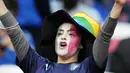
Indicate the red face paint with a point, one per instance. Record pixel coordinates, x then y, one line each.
74 40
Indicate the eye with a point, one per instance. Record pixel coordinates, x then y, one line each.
59 34
71 34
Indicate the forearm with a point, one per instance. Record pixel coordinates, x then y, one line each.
16 35
101 44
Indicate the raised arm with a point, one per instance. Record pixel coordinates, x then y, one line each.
18 40
101 44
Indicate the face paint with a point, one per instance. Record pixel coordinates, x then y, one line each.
67 40
74 40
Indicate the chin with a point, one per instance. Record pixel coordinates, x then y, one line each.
61 54
65 56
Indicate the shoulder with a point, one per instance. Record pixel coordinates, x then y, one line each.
90 65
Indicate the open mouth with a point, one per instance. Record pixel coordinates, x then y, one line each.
63 44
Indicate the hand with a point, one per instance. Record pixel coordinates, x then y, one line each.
120 2
3 8
117 8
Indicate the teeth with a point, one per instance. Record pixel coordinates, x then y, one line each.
63 44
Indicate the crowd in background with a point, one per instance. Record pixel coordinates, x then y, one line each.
31 13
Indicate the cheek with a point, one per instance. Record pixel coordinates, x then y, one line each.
73 45
56 41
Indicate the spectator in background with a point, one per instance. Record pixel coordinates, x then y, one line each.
119 61
7 53
119 58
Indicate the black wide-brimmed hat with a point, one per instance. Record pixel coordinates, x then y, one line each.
88 27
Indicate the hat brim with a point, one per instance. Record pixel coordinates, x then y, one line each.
53 21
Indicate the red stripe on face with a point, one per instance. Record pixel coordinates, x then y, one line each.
74 40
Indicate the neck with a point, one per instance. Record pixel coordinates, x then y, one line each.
65 60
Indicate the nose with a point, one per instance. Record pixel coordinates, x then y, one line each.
63 38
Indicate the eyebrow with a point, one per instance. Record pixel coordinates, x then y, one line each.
60 30
72 30
67 30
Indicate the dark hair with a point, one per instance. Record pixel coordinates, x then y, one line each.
87 47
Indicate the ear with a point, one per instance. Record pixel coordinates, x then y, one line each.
80 46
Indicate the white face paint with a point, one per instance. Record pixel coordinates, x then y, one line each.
67 40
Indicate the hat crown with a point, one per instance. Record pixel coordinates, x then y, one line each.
87 22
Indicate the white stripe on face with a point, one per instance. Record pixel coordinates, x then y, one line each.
67 40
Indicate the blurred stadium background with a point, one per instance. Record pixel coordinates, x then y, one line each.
30 15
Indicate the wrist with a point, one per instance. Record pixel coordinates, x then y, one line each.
3 11
116 10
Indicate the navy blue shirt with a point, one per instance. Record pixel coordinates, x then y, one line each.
34 63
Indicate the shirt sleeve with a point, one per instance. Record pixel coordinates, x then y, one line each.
27 58
16 35
101 44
